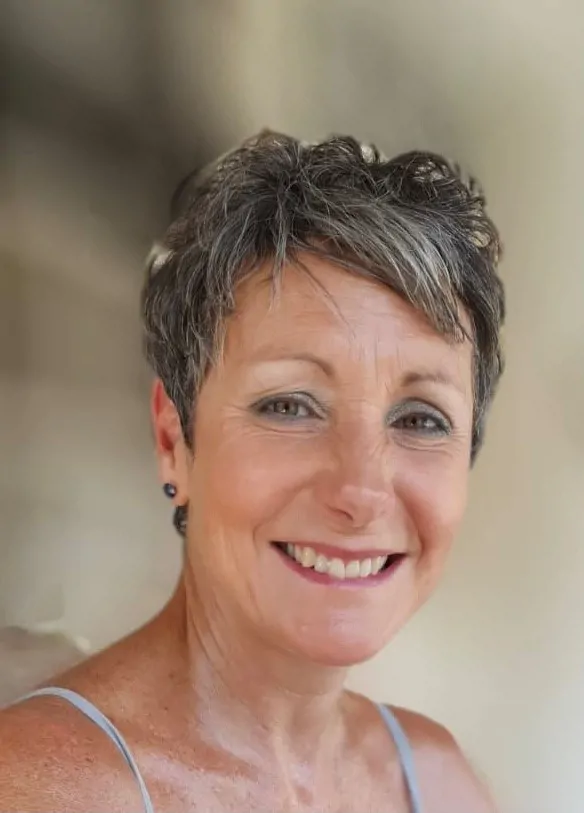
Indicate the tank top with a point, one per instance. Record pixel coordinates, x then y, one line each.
397 733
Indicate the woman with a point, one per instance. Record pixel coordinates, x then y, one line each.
324 328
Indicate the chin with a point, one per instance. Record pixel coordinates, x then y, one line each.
339 648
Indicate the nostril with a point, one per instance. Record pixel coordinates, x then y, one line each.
358 505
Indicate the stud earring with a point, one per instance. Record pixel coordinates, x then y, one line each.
179 518
169 490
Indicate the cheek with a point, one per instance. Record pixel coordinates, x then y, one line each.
435 497
245 477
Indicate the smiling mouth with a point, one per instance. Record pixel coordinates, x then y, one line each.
338 569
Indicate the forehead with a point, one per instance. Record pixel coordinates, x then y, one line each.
328 311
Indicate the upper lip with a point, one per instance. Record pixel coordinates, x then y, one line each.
344 554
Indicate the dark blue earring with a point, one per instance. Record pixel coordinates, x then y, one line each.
169 490
179 519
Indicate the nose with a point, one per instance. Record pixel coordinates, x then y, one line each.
356 489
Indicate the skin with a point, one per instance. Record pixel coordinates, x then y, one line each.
232 698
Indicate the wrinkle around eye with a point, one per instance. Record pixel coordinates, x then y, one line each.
452 444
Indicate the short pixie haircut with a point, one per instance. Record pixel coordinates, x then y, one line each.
411 223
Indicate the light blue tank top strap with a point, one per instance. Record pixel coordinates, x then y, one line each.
406 756
109 729
94 714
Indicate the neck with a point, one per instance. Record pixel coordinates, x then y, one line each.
246 698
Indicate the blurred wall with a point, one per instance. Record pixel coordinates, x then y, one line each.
85 537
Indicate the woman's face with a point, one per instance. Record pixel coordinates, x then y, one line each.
332 447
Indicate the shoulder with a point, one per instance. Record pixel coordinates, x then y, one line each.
53 758
448 783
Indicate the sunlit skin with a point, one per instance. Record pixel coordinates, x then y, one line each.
337 418
369 451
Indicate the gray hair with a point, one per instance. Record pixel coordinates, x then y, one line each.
412 223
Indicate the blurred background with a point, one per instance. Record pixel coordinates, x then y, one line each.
106 104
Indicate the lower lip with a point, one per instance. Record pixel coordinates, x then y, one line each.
323 578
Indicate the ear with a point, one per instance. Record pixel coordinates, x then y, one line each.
171 449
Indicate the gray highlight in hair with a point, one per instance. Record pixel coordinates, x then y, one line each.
411 223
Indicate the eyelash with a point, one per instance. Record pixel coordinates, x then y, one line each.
420 411
267 406
417 411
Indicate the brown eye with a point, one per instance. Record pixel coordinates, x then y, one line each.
420 419
291 407
417 423
287 409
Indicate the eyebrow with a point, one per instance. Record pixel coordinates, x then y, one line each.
308 358
409 379
433 377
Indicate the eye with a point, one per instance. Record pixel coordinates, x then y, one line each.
297 406
420 419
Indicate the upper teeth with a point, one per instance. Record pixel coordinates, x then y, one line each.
336 568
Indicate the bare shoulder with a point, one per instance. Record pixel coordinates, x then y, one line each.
53 758
448 782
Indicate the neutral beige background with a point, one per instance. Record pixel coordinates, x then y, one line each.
497 655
